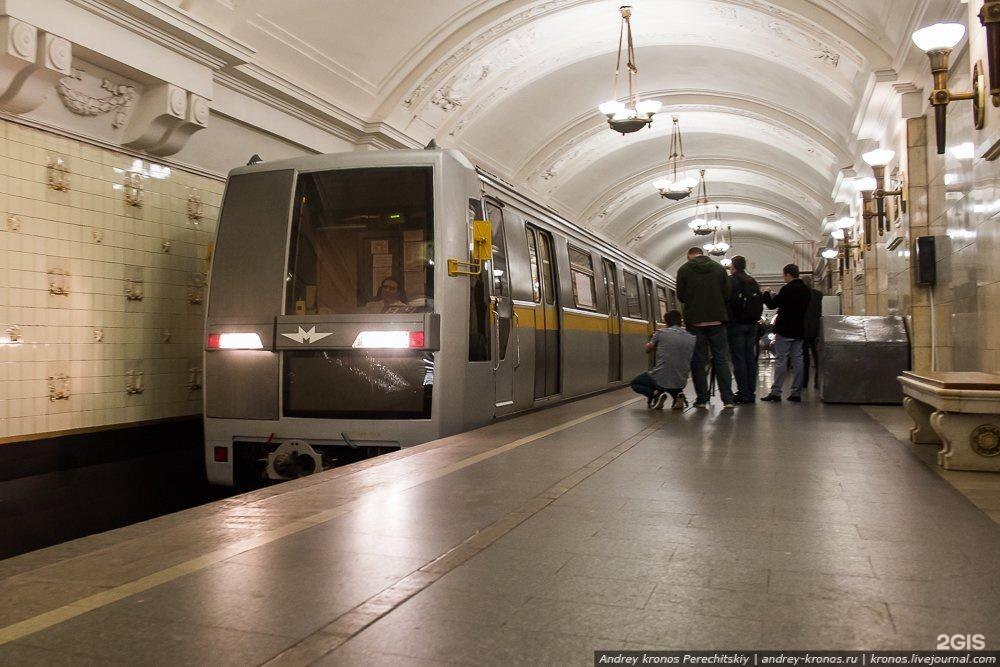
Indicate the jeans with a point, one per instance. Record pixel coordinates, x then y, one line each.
711 338
785 349
643 384
810 349
743 348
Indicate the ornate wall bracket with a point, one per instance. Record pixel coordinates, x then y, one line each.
57 174
165 118
134 289
31 63
59 387
13 223
12 335
133 382
133 189
195 208
58 281
194 378
196 288
119 101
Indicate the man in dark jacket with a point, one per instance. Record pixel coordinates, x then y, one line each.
746 306
703 288
810 348
789 329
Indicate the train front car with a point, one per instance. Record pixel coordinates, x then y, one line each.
332 332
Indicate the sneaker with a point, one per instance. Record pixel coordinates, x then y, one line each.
728 406
746 400
651 401
660 401
772 397
795 399
680 402
700 405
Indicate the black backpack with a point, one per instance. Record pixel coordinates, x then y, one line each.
748 304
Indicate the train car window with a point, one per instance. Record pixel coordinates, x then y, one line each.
536 287
649 306
581 267
479 298
362 242
633 303
611 288
500 275
661 296
545 264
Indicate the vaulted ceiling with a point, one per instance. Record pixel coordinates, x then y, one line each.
772 96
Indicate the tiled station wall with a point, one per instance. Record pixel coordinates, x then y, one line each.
101 299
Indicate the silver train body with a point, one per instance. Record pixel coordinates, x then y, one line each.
335 332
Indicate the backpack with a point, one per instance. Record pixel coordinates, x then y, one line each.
748 304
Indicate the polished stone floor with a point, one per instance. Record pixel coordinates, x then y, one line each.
597 524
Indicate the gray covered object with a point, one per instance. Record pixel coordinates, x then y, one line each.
862 357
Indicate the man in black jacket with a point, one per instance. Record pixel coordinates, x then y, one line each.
789 329
810 346
745 308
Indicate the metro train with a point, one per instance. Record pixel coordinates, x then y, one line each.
338 329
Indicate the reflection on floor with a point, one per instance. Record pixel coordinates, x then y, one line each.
598 524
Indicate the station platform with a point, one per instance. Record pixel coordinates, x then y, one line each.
597 524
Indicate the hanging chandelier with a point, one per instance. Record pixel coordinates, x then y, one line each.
701 225
674 187
719 246
633 114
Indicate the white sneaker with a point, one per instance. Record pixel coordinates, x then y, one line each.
701 406
660 401
728 406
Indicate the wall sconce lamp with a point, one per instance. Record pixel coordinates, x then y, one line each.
937 41
867 187
841 249
989 16
878 160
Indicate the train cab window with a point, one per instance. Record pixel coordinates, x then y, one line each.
633 302
581 267
545 260
536 285
362 242
664 302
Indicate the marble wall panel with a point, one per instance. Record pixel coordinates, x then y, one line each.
91 242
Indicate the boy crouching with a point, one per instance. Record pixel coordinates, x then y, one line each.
672 347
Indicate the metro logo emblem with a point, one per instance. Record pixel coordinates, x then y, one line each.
310 336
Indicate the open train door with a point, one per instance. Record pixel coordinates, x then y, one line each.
506 351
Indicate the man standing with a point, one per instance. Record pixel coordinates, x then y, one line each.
792 301
672 348
746 305
703 288
810 349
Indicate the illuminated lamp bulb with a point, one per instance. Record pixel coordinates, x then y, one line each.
939 36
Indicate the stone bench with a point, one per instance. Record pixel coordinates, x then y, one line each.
959 411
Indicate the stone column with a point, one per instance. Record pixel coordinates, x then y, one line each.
919 219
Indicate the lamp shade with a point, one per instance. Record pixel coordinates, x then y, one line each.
611 107
939 36
830 253
837 234
662 183
648 107
867 184
844 223
698 223
879 157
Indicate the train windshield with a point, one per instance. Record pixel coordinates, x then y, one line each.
362 242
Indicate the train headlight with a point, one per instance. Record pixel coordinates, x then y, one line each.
389 339
234 341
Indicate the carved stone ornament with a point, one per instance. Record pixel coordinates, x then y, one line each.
119 100
165 118
166 335
985 440
133 289
194 378
133 189
12 334
166 245
133 382
13 223
196 288
98 335
97 235
195 208
31 62
58 281
57 174
59 386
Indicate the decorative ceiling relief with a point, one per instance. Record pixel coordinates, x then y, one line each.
477 45
119 100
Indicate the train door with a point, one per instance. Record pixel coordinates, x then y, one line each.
505 352
543 272
614 322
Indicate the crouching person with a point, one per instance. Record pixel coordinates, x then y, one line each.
672 348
